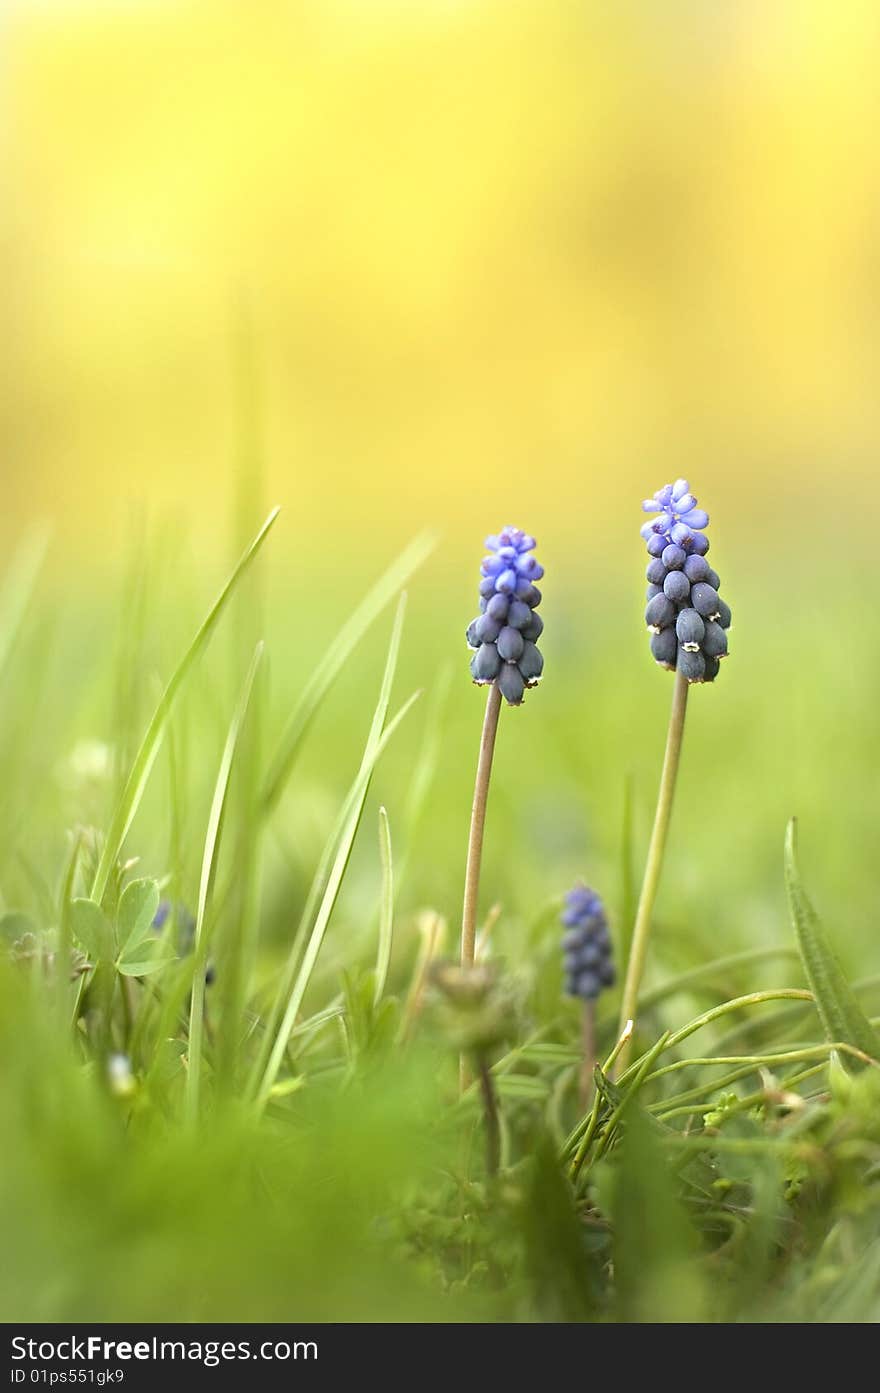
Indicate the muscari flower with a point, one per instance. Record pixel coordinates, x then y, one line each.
186 932
686 616
587 953
507 628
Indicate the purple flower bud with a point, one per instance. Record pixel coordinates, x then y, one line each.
691 665
485 664
587 955
510 644
656 572
504 635
677 587
704 600
531 663
696 568
656 544
715 641
660 613
664 648
512 683
518 614
497 608
689 628
487 629
673 557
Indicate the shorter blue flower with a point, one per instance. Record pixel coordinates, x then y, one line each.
588 957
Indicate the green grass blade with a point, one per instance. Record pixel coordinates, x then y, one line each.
334 659
841 1015
143 762
328 877
18 588
206 883
386 913
628 887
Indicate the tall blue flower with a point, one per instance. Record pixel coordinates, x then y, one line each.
506 631
685 615
586 945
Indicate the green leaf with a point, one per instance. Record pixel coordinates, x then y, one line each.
206 884
842 1017
91 929
328 668
137 910
139 774
328 879
654 1245
145 961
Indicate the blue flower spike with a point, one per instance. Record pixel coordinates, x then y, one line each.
505 632
588 959
686 617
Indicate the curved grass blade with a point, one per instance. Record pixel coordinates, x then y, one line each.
18 588
206 884
334 659
386 913
328 878
841 1015
143 762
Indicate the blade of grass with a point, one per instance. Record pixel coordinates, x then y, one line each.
333 661
841 1015
140 770
386 913
325 887
209 870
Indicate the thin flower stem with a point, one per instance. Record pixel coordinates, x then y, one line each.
490 1110
588 1053
654 865
475 839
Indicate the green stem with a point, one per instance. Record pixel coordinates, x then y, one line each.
654 865
475 838
588 1052
490 1111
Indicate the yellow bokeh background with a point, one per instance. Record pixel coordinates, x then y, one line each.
497 259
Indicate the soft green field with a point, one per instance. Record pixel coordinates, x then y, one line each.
350 1184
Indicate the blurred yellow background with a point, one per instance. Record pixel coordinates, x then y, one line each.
501 261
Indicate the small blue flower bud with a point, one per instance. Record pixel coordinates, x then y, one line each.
587 955
534 629
673 557
518 614
497 608
656 544
510 644
689 628
691 665
486 663
715 641
724 615
712 669
656 572
529 594
664 647
531 663
677 587
506 582
696 568
511 682
487 629
713 578
699 544
704 600
471 635
659 613
487 586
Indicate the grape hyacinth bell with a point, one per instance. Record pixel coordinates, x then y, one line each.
506 630
685 615
586 945
588 962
